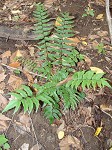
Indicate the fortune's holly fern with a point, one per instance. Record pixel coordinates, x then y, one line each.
56 53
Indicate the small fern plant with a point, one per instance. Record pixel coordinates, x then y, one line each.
61 87
4 143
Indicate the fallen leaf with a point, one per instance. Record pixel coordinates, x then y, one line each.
83 38
102 33
25 146
58 21
4 118
98 130
84 43
60 135
69 141
29 76
15 11
87 60
93 37
3 122
2 76
31 48
94 44
18 53
15 82
36 147
3 102
6 54
73 41
15 64
96 70
25 119
100 17
48 3
106 107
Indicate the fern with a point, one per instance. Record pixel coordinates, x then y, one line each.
68 56
30 64
56 52
42 30
23 97
88 79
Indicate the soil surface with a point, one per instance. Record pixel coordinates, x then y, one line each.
95 111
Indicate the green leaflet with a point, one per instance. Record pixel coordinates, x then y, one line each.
28 90
11 104
3 140
52 113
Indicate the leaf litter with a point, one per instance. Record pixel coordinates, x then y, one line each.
67 141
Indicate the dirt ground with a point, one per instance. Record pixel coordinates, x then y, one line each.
95 111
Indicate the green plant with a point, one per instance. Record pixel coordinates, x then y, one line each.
100 48
4 143
60 86
88 12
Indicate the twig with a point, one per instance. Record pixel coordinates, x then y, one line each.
104 112
9 67
109 19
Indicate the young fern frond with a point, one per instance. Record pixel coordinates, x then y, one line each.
88 79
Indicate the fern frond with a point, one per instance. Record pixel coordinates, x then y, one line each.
28 63
67 55
42 27
88 79
52 112
23 97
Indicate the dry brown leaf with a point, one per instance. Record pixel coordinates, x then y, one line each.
14 64
25 146
74 41
15 81
2 87
102 33
36 147
100 17
18 53
31 48
3 122
93 37
20 128
3 102
29 76
87 60
96 70
4 118
57 22
2 76
6 54
48 3
69 141
25 119
94 44
106 107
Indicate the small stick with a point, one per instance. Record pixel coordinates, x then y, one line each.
109 19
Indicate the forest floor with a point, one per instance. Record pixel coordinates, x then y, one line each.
95 113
